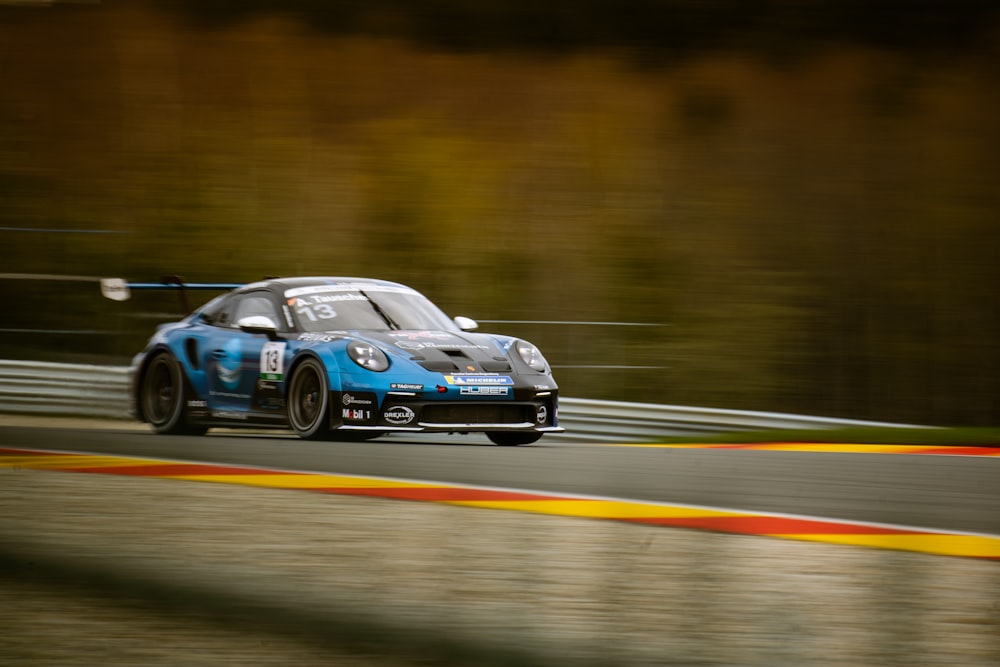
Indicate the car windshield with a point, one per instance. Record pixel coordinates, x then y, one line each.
345 307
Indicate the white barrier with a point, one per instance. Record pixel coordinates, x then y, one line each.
603 420
35 387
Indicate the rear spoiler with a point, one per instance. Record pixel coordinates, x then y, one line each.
118 289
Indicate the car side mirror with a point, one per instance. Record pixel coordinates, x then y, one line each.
258 324
466 323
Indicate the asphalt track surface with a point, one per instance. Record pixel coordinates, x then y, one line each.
951 493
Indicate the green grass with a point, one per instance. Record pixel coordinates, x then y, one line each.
988 437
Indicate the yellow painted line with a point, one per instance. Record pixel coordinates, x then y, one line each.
597 509
940 544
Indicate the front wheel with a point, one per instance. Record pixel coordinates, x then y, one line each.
161 397
513 438
309 401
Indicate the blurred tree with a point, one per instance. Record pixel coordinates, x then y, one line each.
807 199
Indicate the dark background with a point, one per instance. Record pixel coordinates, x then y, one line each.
801 195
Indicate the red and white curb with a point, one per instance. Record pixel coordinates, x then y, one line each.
884 536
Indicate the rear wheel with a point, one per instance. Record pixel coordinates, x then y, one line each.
161 397
309 401
513 438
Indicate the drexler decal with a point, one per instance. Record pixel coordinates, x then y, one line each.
479 380
399 415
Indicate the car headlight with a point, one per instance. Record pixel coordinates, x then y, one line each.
532 356
367 356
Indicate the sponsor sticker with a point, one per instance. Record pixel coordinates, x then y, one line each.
487 390
409 386
542 414
320 337
350 399
229 414
229 394
479 379
356 414
399 415
418 345
415 335
228 366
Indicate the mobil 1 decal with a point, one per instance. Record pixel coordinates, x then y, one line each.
358 407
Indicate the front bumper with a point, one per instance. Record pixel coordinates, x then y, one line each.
356 411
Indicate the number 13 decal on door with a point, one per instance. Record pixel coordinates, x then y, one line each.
272 361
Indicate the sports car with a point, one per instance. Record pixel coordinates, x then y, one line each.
338 358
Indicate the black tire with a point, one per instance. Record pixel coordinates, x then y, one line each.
308 401
161 397
513 438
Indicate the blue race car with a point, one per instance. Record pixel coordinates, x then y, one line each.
338 358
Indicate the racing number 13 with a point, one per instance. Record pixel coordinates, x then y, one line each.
272 361
322 311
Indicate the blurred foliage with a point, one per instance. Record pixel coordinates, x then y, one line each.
660 28
802 198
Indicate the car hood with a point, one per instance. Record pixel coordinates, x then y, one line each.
444 351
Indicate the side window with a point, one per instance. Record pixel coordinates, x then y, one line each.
228 311
255 304
219 312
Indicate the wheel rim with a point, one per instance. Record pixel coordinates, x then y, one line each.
307 399
160 394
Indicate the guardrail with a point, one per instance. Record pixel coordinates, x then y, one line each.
634 422
35 387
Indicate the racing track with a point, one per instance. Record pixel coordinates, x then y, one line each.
951 493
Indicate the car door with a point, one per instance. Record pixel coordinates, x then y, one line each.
242 367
